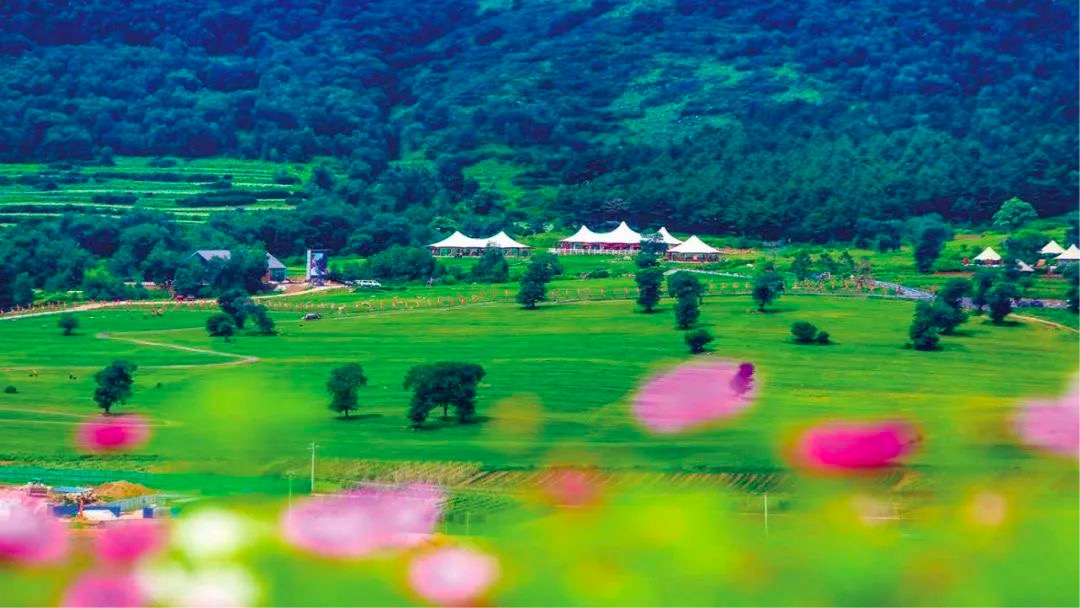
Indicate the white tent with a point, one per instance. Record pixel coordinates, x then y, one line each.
1072 254
1024 266
693 250
459 241
583 235
666 236
502 241
988 256
622 235
694 245
1052 248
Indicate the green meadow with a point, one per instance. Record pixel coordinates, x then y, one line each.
559 384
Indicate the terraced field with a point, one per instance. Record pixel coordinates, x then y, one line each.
29 190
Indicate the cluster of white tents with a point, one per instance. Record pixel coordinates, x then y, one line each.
624 239
1050 251
458 245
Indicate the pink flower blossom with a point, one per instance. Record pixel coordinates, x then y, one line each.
128 541
1052 425
453 576
112 433
694 394
839 446
358 523
30 535
102 589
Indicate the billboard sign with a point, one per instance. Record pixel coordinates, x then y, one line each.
316 265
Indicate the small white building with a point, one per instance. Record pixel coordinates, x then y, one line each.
1069 256
1052 249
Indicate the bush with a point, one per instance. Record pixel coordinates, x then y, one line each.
822 337
697 339
113 198
10 389
803 332
923 330
599 273
221 325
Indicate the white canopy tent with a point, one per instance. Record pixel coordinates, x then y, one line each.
668 239
1023 266
1072 254
502 241
693 250
622 235
1052 248
459 241
988 256
582 236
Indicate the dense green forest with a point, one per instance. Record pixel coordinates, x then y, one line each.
777 119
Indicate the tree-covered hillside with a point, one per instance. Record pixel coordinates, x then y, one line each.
788 118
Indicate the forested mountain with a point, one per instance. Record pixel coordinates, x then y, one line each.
783 118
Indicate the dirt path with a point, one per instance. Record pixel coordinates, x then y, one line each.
237 359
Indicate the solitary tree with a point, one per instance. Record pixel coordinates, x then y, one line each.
445 384
948 306
69 323
767 287
930 238
343 386
235 303
534 283
923 330
114 384
1000 301
648 283
220 325
697 340
687 311
803 332
1014 213
682 284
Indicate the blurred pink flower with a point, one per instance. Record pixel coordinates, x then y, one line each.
1052 425
453 576
571 487
30 535
112 433
839 446
360 522
103 589
694 394
127 541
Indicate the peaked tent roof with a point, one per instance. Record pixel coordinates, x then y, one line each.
1072 254
621 235
1024 266
583 235
503 241
694 245
1052 248
666 236
458 240
988 255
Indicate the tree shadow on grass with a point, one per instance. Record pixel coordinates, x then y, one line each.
436 423
965 333
358 417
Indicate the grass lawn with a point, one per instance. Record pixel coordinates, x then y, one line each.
558 386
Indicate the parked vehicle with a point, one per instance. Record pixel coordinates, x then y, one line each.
368 284
312 316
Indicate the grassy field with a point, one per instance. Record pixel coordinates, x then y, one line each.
558 386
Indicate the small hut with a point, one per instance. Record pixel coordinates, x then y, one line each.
458 245
669 240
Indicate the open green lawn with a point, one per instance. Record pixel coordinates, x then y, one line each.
558 386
